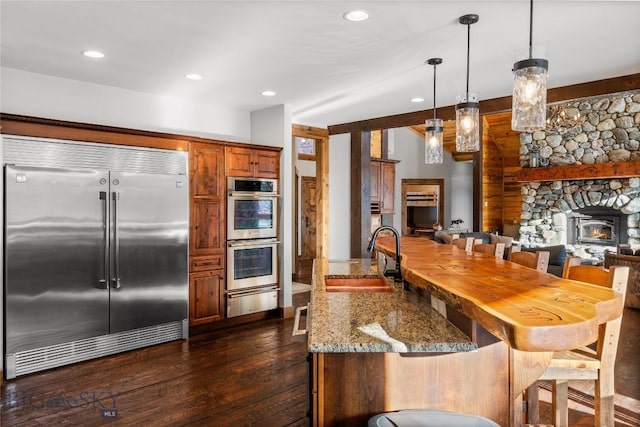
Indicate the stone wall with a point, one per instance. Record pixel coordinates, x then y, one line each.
607 131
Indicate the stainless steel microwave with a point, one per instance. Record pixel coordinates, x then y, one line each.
252 208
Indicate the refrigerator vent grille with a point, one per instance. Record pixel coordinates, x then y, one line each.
30 361
41 152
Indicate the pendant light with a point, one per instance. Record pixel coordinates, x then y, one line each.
528 111
467 105
433 127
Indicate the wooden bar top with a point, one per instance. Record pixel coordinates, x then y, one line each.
527 309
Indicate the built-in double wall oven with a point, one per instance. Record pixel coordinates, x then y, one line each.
252 245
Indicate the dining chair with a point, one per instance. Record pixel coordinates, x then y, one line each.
585 363
465 243
492 249
536 260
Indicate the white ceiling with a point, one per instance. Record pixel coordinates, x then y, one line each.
329 70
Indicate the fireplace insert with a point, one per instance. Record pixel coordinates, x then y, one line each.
598 231
597 226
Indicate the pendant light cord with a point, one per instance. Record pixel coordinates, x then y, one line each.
531 30
434 91
468 49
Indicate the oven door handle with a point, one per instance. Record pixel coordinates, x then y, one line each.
243 293
240 243
253 195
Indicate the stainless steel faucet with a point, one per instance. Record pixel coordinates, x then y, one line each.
397 273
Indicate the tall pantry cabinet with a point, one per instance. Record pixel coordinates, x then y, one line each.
207 233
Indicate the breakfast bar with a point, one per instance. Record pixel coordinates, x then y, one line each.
469 335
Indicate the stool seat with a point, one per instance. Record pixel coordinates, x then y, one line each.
428 418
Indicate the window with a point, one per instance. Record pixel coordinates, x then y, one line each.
306 148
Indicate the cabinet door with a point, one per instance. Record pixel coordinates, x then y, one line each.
206 297
207 227
387 187
239 161
266 164
207 171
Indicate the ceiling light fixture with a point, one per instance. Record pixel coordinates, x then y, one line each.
358 15
93 54
433 127
268 93
561 118
193 76
528 110
417 99
467 106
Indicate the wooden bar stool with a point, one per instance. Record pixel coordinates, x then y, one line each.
585 363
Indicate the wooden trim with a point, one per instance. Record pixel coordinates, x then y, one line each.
495 105
13 124
598 170
309 131
287 312
61 131
322 198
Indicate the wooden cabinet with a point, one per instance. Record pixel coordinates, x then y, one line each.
207 233
383 179
252 162
206 297
349 388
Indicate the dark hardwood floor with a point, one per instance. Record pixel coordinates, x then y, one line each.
252 374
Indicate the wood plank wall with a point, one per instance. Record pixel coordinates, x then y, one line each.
492 188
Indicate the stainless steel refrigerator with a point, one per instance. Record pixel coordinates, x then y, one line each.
96 262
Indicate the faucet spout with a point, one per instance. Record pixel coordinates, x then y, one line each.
397 273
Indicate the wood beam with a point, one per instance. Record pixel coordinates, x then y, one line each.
360 193
595 171
495 105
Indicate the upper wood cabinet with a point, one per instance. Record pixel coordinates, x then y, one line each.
252 162
207 171
383 181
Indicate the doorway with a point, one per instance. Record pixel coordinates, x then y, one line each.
308 221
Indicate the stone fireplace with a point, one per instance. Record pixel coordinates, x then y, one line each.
590 216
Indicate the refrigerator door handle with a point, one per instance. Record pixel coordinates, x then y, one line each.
103 283
115 281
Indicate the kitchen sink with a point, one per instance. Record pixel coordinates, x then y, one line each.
357 284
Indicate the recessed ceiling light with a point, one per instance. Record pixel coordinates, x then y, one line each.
93 54
417 99
357 15
193 76
268 93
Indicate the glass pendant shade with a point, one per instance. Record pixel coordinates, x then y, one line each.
433 152
529 108
467 123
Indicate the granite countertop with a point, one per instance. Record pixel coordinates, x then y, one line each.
398 321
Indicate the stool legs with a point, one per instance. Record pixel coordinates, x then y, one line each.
560 402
